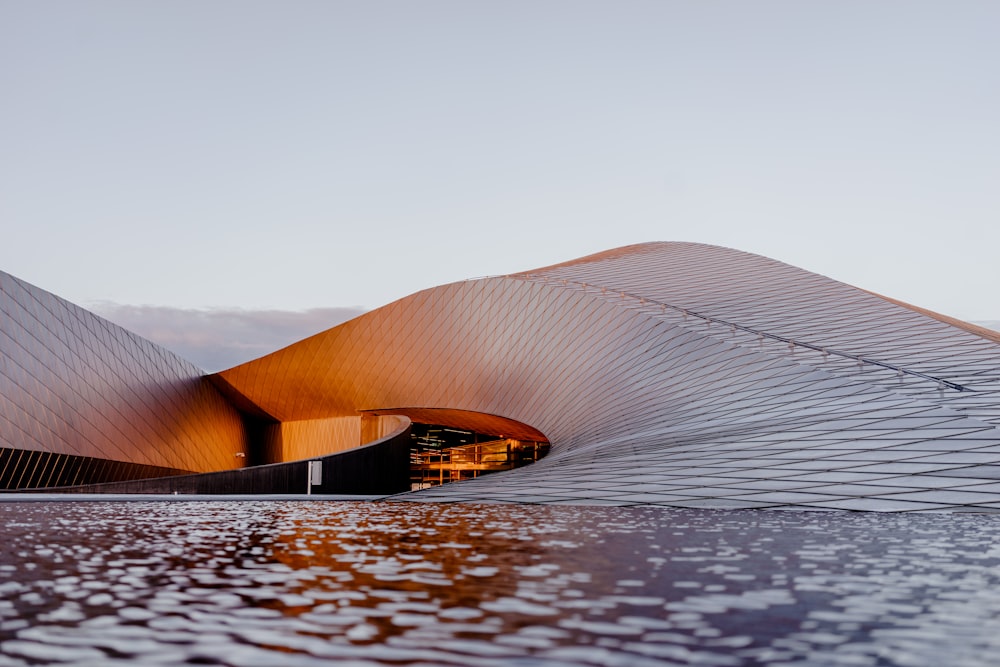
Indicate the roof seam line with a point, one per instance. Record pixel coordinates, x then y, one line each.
861 359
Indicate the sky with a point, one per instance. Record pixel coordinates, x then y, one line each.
242 158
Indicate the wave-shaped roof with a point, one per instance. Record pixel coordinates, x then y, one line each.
674 374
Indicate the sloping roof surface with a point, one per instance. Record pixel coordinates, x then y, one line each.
73 384
676 374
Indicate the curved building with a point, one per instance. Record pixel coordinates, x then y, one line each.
83 400
667 374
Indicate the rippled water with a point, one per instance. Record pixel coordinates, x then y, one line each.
310 583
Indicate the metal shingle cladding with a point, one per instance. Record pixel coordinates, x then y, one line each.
90 393
676 374
663 374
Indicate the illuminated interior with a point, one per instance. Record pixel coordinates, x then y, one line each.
442 454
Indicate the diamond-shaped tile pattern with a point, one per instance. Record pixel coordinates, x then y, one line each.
669 374
83 400
675 374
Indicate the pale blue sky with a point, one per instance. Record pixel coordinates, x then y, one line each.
296 155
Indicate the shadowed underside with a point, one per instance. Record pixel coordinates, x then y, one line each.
666 373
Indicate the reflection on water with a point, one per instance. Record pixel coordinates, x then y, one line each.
308 583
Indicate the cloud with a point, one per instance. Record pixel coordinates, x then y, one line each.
220 338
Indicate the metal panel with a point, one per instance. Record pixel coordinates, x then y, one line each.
78 387
666 373
669 360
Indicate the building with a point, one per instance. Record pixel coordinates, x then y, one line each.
669 374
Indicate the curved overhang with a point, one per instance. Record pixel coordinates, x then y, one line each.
468 420
716 377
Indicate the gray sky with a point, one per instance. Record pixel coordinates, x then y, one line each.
219 338
297 155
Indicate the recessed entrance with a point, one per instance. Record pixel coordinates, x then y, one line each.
450 445
442 454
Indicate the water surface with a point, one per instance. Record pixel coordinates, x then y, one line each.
312 582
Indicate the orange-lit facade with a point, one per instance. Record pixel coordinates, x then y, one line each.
664 374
